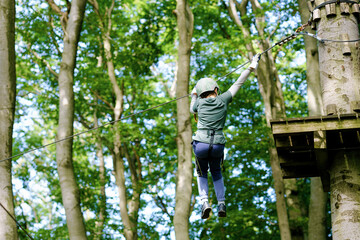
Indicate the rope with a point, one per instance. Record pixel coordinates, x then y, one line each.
16 221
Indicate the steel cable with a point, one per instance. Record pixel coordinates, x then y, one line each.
131 115
279 43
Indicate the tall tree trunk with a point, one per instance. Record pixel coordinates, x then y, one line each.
8 228
185 22
102 175
339 75
270 89
69 187
119 167
129 208
295 210
318 198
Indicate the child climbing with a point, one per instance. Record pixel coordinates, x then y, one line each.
209 140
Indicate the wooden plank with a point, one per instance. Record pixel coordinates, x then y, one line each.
317 118
298 127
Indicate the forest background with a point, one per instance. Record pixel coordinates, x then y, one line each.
127 61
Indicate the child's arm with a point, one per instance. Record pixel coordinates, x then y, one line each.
244 75
193 100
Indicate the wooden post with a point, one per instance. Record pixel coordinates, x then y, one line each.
340 76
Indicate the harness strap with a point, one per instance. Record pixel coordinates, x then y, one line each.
212 136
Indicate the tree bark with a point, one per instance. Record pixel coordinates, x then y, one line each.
340 74
102 175
130 225
295 210
318 198
345 195
270 89
315 104
129 208
69 187
185 22
8 228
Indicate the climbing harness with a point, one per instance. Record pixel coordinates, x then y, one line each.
211 133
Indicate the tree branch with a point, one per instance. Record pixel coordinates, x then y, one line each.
83 121
137 158
63 15
259 20
55 7
95 5
53 36
109 12
223 29
47 64
103 100
275 29
234 15
160 203
132 166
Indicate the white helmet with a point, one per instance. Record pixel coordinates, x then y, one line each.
206 85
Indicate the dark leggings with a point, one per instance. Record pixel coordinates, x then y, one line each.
206 159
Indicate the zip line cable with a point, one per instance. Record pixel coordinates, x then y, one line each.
323 40
237 68
279 43
92 129
16 221
112 122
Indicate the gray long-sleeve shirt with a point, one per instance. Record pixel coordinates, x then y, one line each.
212 111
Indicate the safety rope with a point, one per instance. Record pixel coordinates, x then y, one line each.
16 221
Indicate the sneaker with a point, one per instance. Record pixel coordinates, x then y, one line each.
222 210
205 210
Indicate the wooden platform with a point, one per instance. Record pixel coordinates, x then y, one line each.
305 145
